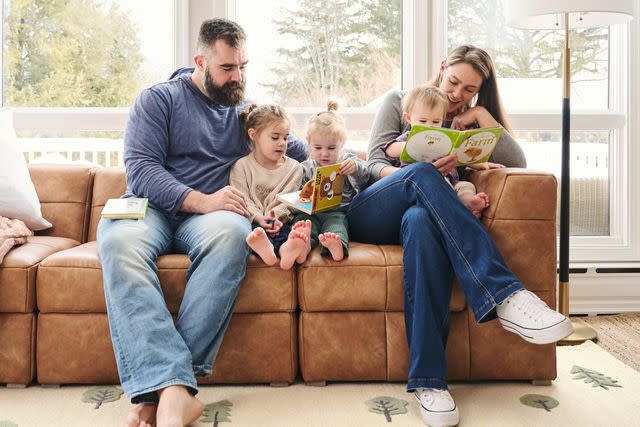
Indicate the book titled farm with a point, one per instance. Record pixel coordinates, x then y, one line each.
322 193
125 208
429 143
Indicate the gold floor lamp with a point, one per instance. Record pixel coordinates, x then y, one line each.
556 15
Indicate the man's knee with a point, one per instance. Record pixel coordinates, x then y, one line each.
120 237
227 228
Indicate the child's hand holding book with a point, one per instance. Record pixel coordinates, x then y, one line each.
347 167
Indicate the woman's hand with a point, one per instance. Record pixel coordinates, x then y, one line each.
476 116
446 164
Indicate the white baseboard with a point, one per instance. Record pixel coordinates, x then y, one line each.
602 293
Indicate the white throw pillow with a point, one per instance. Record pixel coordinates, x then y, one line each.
18 198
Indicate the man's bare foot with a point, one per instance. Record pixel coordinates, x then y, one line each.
305 228
177 407
477 203
142 415
259 242
291 249
332 242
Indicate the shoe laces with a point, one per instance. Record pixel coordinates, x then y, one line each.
431 394
529 304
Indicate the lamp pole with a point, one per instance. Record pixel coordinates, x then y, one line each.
581 332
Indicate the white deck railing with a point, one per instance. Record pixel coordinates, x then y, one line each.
98 151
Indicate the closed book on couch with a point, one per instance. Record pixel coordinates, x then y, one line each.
125 208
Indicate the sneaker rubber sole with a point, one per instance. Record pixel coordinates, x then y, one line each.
546 335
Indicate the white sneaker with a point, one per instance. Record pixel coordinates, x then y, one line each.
528 316
437 407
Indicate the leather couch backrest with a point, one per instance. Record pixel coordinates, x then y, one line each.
108 183
64 192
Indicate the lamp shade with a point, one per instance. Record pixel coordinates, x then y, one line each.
548 14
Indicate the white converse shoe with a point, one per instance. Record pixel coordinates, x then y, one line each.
528 316
437 407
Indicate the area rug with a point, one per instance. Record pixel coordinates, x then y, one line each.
592 389
619 335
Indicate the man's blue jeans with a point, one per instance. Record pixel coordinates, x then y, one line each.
440 237
150 351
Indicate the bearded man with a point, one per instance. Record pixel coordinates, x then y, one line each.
181 139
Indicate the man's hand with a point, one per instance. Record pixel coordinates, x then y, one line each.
225 199
446 164
347 167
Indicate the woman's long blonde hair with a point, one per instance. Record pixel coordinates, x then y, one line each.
488 95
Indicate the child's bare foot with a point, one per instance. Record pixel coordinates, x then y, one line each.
142 415
332 242
259 242
305 228
291 249
477 203
177 407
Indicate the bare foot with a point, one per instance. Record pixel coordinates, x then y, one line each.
477 203
332 242
305 228
291 249
142 415
177 407
259 242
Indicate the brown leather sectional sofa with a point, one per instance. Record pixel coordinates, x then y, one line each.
335 321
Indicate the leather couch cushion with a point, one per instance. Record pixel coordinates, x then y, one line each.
108 184
64 192
369 279
70 281
17 344
18 271
76 348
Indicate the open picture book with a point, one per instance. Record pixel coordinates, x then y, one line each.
322 193
125 208
429 143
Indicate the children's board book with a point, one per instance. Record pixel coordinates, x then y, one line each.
125 208
428 143
322 193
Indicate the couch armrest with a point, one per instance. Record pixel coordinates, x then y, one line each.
517 193
521 218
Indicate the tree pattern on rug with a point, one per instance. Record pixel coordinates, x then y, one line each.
539 401
5 423
596 378
100 395
217 412
387 406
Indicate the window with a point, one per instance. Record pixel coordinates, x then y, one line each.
303 52
84 53
528 64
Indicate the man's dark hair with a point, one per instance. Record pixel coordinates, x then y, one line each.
212 30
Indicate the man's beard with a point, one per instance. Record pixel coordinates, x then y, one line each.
229 94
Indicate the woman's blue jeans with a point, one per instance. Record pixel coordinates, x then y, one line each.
151 352
440 237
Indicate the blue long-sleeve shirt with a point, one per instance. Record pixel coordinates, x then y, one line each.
178 140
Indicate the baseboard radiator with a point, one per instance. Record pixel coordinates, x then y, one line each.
604 290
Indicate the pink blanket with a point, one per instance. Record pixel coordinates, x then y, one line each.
12 232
